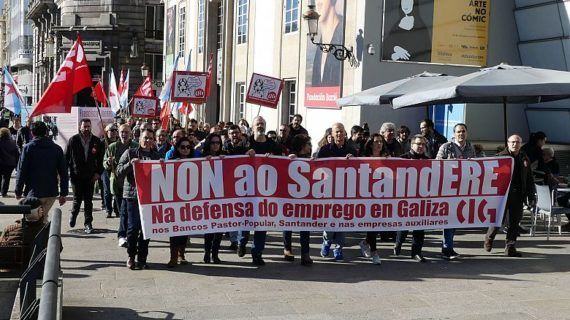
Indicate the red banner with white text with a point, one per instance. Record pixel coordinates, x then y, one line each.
184 197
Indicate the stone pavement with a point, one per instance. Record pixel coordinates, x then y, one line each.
97 285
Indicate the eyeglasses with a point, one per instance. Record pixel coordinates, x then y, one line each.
419 144
514 142
185 147
114 130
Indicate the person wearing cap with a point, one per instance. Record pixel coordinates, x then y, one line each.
41 168
23 232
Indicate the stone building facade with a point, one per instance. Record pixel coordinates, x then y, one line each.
117 34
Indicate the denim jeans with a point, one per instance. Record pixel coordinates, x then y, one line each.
137 245
334 237
243 237
448 235
106 192
123 225
258 243
304 239
234 236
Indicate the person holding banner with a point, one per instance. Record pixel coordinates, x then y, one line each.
459 148
375 147
418 151
110 162
300 147
137 245
338 148
162 144
235 146
522 188
259 144
388 131
183 149
212 241
176 135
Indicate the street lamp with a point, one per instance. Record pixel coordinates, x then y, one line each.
145 70
339 51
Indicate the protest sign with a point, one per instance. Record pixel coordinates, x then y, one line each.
264 90
276 193
144 107
189 86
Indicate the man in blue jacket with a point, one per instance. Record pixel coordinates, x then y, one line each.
41 164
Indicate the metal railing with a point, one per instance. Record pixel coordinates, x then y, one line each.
52 271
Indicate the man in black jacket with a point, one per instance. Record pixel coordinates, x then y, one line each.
522 188
84 156
417 152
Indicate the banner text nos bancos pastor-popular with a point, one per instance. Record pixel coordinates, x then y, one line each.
360 194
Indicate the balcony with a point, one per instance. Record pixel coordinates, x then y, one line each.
37 8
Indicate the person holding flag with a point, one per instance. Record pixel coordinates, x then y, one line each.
13 99
123 89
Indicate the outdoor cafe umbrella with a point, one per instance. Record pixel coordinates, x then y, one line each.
383 94
499 84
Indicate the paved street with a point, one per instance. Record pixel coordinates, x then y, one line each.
97 284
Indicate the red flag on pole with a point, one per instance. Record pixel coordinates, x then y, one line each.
145 89
121 82
99 94
73 76
209 79
186 108
165 115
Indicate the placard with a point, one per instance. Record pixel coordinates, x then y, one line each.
144 107
264 90
189 86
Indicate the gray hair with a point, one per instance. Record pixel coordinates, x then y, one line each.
419 136
548 151
387 125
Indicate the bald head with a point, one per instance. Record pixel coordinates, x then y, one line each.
176 135
339 134
514 144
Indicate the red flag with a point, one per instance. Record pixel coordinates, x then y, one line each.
165 115
145 89
121 82
73 76
99 94
209 79
186 108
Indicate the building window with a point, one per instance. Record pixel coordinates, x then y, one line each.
242 21
220 26
289 100
240 101
182 32
291 15
154 62
201 24
154 23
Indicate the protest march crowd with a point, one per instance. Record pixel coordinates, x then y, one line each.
44 170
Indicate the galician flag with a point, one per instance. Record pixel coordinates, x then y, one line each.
13 100
165 93
114 94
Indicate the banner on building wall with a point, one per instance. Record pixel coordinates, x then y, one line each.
276 193
189 86
323 74
170 39
264 90
436 31
144 107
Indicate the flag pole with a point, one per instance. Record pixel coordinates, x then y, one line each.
103 129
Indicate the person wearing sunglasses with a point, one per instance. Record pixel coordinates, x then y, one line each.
417 152
212 241
183 149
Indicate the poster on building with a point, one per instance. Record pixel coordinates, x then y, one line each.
436 31
264 90
189 86
170 39
144 107
323 74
